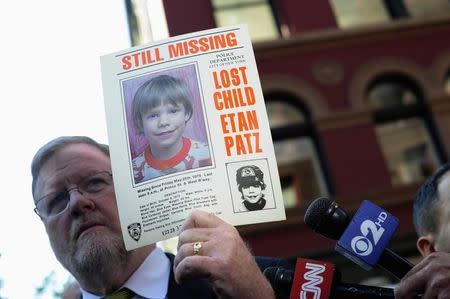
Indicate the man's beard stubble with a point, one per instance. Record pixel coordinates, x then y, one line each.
96 257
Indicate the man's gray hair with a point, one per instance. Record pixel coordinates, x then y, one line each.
52 147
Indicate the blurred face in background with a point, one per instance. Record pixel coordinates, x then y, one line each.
442 236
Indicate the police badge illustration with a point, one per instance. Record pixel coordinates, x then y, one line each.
134 230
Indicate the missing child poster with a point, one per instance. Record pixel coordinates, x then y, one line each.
188 129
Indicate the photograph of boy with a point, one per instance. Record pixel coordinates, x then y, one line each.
250 181
161 109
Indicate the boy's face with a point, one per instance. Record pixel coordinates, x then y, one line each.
252 193
164 126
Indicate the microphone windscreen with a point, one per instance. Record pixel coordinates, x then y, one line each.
316 211
324 216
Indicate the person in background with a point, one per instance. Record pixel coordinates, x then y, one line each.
431 215
73 192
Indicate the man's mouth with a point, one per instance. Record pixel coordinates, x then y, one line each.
87 227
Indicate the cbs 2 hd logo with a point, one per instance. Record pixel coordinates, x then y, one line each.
362 245
368 233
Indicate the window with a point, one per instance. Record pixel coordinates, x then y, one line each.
282 114
147 21
258 14
421 8
404 129
295 143
349 13
356 12
391 94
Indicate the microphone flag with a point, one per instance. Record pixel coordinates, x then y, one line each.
312 279
367 235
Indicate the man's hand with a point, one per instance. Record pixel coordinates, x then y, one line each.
223 259
431 277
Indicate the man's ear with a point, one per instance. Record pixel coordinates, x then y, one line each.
425 245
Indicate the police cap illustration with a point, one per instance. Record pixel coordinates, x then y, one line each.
250 175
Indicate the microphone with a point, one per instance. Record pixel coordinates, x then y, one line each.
316 280
325 217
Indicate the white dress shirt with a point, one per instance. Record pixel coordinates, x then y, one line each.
151 279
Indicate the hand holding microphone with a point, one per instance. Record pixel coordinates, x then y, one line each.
432 275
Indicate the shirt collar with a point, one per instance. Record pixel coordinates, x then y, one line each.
150 280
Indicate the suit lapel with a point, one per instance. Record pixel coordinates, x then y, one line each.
190 289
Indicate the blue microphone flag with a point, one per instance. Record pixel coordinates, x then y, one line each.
367 235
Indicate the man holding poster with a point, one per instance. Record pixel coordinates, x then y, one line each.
104 230
75 198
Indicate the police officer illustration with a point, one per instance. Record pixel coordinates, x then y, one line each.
250 181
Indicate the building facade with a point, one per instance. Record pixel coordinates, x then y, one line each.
359 104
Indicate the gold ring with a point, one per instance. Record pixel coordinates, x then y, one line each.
197 247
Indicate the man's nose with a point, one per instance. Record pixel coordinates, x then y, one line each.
80 201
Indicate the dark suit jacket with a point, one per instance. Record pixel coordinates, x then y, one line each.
201 288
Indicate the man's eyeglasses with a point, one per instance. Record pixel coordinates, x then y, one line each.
56 203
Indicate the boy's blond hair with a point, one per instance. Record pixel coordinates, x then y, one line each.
160 90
